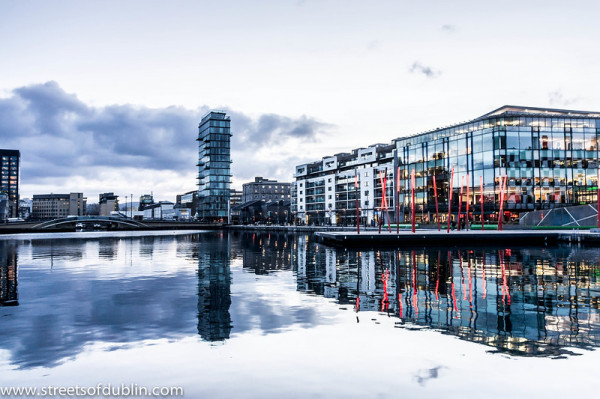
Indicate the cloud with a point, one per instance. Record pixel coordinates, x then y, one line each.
373 45
417 67
557 98
449 28
62 139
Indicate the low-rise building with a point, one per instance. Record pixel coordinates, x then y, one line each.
163 210
145 200
265 189
53 206
108 202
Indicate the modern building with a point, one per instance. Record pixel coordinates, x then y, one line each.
109 202
548 156
163 210
25 208
9 178
5 208
265 189
53 206
145 200
236 197
214 165
186 205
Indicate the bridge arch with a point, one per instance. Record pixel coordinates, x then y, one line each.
89 219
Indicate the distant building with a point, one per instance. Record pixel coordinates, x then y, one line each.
145 200
5 207
163 210
25 208
9 177
53 206
265 189
108 202
234 210
260 211
186 205
236 197
214 164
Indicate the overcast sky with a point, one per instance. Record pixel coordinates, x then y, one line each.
107 95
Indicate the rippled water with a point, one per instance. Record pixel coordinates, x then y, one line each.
267 315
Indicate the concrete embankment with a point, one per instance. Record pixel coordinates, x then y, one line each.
443 238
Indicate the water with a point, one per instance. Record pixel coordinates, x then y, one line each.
270 315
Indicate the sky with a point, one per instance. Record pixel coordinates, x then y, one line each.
104 96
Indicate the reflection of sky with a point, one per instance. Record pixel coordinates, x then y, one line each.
74 293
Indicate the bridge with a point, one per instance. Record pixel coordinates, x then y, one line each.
107 221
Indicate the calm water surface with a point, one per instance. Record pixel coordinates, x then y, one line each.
268 315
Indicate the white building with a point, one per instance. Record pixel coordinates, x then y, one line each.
325 191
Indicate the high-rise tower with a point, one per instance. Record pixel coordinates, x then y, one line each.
214 167
9 183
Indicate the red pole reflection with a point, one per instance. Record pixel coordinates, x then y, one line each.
451 271
468 200
415 296
483 278
437 282
450 199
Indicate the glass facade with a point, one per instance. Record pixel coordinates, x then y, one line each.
549 158
214 165
9 176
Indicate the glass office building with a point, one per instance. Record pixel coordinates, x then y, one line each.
9 182
214 167
549 156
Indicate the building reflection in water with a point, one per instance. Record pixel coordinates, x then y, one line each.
264 253
214 287
8 274
533 302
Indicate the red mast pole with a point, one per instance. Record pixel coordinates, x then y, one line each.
398 201
412 189
380 222
501 203
356 194
437 214
467 221
462 178
481 195
450 199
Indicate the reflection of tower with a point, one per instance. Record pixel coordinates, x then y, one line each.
214 289
8 274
